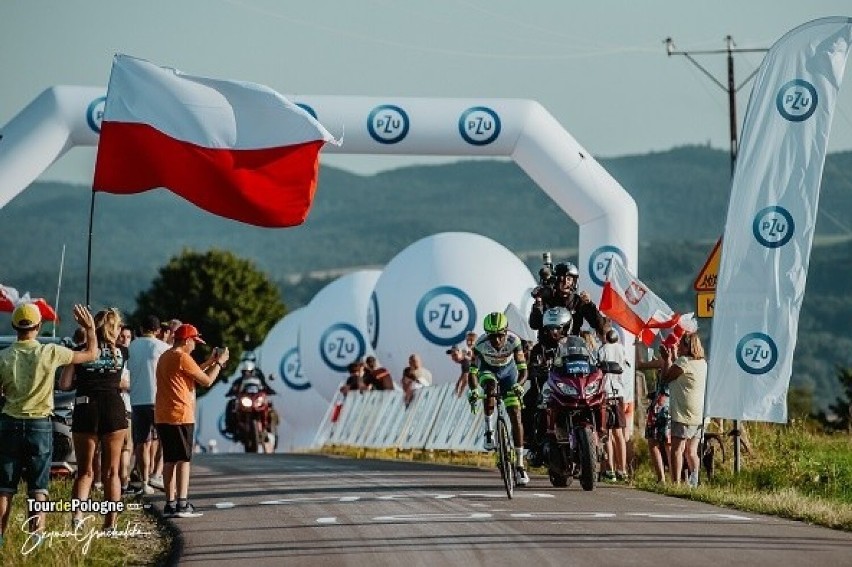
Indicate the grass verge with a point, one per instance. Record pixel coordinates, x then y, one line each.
142 540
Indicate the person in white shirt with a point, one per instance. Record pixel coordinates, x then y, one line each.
144 352
616 445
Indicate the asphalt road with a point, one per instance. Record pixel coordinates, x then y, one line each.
316 510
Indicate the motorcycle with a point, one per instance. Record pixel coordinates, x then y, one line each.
252 417
575 408
64 462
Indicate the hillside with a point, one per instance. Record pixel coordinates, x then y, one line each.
681 194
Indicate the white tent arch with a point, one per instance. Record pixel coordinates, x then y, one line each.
62 117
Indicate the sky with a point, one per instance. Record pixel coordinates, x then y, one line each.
600 68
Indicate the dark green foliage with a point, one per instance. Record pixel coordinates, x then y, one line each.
226 297
839 413
356 221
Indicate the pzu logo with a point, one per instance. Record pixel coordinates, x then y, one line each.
479 125
340 345
757 353
444 315
773 226
290 370
373 320
600 261
797 100
308 109
387 124
95 114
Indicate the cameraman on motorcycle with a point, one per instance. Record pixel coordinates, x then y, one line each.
560 290
499 355
555 321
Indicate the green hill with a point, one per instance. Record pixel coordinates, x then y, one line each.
682 195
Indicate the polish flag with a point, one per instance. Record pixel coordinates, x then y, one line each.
631 304
238 150
10 299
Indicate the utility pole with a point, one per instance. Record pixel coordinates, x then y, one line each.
731 89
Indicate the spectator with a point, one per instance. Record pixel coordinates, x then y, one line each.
616 444
99 415
685 371
414 377
376 377
174 413
125 337
355 380
459 356
144 353
27 371
167 331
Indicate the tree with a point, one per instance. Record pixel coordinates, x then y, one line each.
839 414
226 297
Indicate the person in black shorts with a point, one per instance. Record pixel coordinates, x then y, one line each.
99 414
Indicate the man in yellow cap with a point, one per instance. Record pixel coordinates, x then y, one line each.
27 370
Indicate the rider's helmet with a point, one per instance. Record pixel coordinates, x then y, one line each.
567 272
248 366
495 322
248 355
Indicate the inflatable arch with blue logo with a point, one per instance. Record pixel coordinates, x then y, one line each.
62 117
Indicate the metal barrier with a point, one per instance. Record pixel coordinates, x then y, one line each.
435 419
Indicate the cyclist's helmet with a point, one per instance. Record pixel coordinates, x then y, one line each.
566 269
555 317
495 322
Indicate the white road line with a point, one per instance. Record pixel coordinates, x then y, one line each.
350 498
330 520
586 515
692 516
224 505
432 517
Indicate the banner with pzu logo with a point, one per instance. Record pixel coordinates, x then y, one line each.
771 220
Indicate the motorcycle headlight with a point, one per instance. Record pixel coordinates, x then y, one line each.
593 388
245 402
567 389
258 403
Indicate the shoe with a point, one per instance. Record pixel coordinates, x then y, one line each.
621 476
188 511
522 478
488 445
98 486
146 488
169 510
76 524
156 481
609 476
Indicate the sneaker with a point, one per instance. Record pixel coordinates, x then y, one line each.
621 476
609 476
522 478
76 524
488 445
188 511
98 486
169 510
156 481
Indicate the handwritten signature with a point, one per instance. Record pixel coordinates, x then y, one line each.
80 533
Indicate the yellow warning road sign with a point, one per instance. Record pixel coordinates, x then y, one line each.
706 280
705 300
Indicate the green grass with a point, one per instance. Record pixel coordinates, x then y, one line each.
794 471
148 548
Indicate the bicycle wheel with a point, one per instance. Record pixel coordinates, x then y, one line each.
504 450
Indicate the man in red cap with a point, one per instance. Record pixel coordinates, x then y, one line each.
174 412
27 371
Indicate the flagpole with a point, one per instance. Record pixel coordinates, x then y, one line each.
58 289
89 251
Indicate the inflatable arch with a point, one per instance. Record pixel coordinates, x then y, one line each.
62 117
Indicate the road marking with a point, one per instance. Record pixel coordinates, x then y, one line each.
329 520
350 499
693 516
224 505
588 515
432 517
542 495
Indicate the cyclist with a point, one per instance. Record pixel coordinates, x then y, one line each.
498 356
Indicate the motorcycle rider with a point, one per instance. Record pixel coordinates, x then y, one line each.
555 321
560 290
498 355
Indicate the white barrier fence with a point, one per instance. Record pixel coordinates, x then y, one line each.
435 419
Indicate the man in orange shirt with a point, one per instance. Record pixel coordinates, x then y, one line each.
174 413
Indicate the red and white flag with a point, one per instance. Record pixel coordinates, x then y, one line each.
10 299
235 149
631 304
